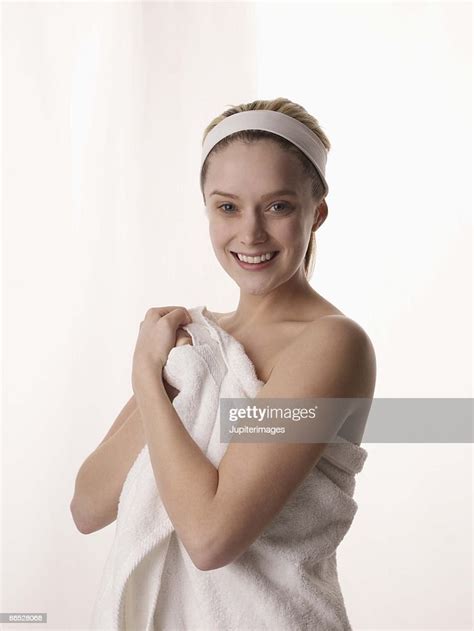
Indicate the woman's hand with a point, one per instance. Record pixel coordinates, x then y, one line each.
156 338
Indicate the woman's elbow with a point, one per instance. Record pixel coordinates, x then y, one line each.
213 557
201 556
81 519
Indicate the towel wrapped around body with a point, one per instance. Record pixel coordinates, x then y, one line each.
285 581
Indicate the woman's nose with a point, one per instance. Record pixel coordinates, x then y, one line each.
252 229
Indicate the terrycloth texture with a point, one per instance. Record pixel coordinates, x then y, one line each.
287 579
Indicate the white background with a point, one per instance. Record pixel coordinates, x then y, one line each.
104 106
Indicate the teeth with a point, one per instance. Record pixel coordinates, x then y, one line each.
256 259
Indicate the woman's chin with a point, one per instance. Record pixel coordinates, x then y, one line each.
254 287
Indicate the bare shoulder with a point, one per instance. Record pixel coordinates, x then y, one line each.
333 328
334 355
338 324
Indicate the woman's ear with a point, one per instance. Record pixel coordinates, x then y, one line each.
320 214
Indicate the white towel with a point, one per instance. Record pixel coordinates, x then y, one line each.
286 580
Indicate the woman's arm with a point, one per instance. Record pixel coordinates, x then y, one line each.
100 479
130 407
125 413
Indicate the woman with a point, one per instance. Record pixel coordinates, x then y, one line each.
264 189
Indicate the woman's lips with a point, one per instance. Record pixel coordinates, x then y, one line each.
255 266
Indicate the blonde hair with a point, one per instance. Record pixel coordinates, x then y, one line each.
285 106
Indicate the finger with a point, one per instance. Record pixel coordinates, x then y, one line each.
153 312
182 338
162 311
179 316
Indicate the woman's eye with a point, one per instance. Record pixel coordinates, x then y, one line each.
225 205
280 204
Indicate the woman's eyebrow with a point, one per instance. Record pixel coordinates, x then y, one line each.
280 192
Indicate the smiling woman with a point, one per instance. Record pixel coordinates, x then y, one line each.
243 535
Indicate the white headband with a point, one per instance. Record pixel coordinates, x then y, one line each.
277 123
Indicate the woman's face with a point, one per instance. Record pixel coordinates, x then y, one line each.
250 214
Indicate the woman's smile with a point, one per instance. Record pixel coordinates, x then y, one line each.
255 266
